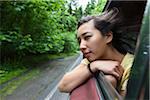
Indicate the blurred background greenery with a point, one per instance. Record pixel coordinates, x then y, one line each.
39 27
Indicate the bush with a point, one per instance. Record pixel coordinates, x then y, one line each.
71 44
34 26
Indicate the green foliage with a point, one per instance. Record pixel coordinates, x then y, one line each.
99 7
37 26
12 43
34 26
95 8
78 13
69 22
89 8
71 44
8 75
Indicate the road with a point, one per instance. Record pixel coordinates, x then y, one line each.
44 86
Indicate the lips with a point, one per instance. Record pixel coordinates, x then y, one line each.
87 55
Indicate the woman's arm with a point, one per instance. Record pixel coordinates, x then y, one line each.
108 67
81 73
74 78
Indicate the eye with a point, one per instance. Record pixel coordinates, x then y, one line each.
87 37
79 40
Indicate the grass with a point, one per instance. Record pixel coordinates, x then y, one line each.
8 75
11 69
11 86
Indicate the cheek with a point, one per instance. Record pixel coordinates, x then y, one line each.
99 47
98 44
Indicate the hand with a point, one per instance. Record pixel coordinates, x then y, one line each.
112 80
108 67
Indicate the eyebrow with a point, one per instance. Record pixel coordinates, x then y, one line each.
83 34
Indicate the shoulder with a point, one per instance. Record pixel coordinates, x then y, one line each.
127 61
126 64
85 61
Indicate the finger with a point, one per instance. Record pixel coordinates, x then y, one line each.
121 70
118 71
116 75
117 64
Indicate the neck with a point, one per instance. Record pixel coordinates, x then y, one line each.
113 54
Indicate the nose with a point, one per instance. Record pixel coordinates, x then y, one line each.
83 45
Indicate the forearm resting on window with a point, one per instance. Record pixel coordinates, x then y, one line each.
77 76
74 78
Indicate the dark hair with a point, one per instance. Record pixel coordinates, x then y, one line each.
110 20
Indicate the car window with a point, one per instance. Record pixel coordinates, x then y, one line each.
138 82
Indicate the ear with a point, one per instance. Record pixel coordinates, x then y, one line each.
109 37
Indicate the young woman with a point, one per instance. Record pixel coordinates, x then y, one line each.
99 41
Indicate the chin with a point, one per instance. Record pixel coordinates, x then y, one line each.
91 59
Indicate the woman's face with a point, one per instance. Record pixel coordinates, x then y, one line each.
92 43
